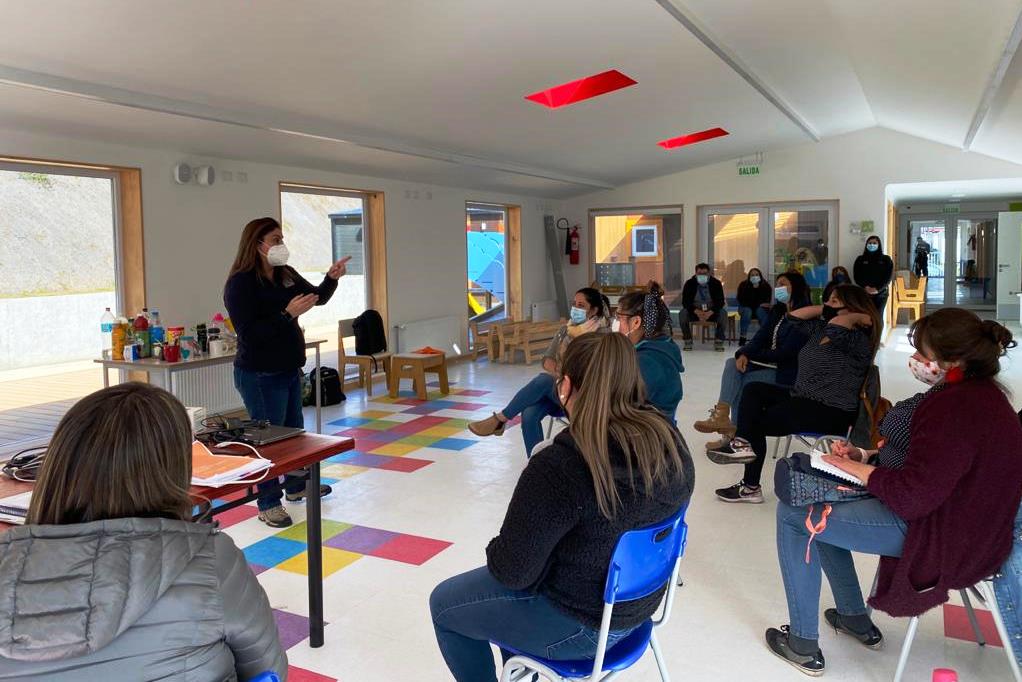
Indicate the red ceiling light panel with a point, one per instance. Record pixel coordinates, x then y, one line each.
582 89
692 138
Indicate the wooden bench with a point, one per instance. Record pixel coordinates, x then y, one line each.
532 339
485 339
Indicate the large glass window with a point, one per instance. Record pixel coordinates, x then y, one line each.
486 244
775 238
630 249
58 272
321 226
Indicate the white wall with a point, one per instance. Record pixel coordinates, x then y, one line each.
191 232
854 169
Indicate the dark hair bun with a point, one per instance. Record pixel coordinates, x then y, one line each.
999 334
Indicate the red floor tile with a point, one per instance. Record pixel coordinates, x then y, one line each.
956 625
410 549
405 464
301 675
236 515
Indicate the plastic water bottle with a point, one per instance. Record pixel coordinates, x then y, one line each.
156 332
945 675
106 326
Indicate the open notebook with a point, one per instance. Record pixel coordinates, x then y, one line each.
217 470
14 509
816 461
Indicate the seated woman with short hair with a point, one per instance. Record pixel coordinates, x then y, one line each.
111 579
619 466
536 400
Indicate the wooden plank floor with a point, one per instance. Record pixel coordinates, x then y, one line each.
31 408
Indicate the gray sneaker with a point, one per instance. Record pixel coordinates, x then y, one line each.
276 517
810 664
739 492
737 451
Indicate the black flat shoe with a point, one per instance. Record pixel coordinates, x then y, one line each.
811 664
872 639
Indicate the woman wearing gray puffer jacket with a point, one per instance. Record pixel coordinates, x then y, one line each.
110 580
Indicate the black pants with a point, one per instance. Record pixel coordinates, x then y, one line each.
719 321
769 410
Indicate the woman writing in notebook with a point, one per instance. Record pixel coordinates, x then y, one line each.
265 297
940 520
111 579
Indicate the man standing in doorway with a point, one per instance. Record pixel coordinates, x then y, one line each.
922 258
702 300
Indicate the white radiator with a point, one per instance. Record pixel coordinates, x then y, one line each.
442 333
210 387
545 310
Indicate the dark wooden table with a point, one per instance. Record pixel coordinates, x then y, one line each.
302 452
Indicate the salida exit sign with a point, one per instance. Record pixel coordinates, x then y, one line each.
749 170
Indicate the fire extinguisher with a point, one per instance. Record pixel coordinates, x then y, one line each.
573 240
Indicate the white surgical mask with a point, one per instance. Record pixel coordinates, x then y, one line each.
702 279
872 247
578 316
755 279
615 326
277 255
928 372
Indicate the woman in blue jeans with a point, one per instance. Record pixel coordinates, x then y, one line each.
770 358
619 466
537 399
264 298
943 521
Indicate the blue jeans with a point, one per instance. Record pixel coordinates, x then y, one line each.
473 609
732 383
718 319
865 526
534 401
277 398
1008 589
745 318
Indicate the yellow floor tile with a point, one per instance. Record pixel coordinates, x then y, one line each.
395 449
341 470
375 414
333 561
442 431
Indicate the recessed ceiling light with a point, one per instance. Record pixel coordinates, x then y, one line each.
582 89
692 138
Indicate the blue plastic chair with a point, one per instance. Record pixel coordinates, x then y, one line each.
645 560
268 676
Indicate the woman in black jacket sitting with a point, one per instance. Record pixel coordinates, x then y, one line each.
619 466
771 357
838 276
754 295
832 367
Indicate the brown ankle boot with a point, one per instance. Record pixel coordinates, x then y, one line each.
491 426
719 421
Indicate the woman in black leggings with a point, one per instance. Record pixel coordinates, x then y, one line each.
832 366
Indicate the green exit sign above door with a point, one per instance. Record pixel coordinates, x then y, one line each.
951 208
748 170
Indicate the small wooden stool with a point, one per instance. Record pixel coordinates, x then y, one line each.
414 366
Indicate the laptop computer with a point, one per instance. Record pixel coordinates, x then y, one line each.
264 435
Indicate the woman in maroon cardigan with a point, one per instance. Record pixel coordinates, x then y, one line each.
941 522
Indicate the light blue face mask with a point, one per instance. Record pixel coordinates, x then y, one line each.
578 316
755 279
781 294
702 279
872 247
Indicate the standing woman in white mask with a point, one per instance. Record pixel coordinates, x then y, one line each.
264 298
590 312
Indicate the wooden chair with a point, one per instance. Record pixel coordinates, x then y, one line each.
364 363
907 297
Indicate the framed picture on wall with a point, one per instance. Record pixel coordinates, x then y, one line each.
645 241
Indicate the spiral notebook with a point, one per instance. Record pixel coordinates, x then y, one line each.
14 509
816 461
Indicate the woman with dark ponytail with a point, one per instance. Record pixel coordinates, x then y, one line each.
646 321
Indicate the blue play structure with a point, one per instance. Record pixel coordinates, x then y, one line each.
486 262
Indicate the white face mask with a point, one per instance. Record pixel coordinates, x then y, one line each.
928 372
615 326
277 255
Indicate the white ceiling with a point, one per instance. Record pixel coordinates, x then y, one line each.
445 79
956 190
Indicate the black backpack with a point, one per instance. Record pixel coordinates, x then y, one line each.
369 335
329 386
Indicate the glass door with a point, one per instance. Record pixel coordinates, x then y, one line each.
976 273
802 244
736 245
957 253
924 252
